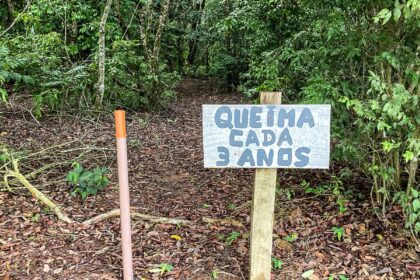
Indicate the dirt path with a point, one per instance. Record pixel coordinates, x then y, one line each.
168 179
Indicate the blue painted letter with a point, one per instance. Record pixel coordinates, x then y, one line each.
246 157
302 155
232 141
223 123
223 155
252 139
262 157
306 117
269 137
241 121
281 161
255 118
285 137
283 115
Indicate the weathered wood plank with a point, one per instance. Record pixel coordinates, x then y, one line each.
263 213
266 136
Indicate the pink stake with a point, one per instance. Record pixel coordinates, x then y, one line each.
124 194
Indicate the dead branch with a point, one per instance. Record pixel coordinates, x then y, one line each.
35 192
12 171
225 222
150 218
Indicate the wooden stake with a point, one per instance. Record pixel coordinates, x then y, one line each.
263 211
124 194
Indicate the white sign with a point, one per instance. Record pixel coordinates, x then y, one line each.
266 136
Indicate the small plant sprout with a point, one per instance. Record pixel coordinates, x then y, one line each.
214 273
277 264
232 237
231 206
35 218
338 232
341 202
220 236
291 237
162 268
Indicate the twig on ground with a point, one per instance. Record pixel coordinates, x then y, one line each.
225 222
150 218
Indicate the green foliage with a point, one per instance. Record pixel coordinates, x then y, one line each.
87 182
411 207
4 157
338 232
35 218
313 190
291 237
162 268
132 82
8 74
276 263
214 274
231 206
232 237
53 50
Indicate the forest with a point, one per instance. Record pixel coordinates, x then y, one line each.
66 65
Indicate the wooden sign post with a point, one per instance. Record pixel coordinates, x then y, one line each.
265 137
262 216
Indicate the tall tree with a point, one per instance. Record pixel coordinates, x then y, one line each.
101 54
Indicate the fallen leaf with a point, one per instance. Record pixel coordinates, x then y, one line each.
176 237
307 274
58 270
283 244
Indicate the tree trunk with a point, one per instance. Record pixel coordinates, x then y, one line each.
101 55
10 11
192 44
157 42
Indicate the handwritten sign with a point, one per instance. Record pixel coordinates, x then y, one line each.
266 136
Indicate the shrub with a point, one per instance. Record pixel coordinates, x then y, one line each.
87 182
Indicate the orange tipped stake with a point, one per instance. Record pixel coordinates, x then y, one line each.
121 135
120 124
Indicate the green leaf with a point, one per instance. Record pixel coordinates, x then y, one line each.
397 14
385 14
165 267
408 155
416 205
387 146
232 237
277 264
3 95
415 193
